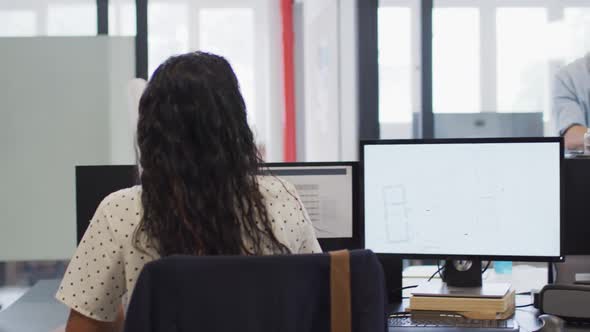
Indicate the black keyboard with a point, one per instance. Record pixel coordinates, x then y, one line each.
442 322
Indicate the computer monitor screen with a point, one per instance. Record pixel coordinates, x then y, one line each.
577 225
93 184
327 190
498 198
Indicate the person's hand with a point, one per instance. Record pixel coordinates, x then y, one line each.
574 137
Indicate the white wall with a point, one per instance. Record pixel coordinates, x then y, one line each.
321 77
330 80
62 103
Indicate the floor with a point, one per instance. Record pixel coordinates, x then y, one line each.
9 295
16 277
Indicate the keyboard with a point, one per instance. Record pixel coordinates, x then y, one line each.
447 322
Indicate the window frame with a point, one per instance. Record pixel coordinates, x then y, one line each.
488 27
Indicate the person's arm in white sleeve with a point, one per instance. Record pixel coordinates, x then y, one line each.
569 115
94 282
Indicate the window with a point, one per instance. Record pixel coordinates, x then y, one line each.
246 33
532 44
72 19
216 32
456 60
122 18
218 35
522 49
18 23
576 27
48 18
501 55
399 66
168 31
395 64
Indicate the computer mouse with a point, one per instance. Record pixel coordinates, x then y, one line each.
550 323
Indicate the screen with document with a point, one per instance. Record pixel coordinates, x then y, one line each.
327 191
464 197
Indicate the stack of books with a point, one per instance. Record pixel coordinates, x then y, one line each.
492 301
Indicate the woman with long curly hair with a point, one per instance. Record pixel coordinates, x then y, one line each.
201 193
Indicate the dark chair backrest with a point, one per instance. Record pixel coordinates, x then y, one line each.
253 294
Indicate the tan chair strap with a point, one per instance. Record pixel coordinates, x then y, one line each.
341 320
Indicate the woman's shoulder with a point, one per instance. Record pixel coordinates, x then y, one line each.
275 186
124 204
131 194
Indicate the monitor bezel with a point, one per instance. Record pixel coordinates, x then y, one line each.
328 244
486 257
86 177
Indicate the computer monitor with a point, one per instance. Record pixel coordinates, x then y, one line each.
93 184
478 199
328 192
577 186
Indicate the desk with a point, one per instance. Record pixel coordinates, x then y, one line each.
523 278
526 317
36 311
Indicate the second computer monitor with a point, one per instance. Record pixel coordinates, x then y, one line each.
482 198
328 190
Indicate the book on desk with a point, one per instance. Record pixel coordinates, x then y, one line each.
498 303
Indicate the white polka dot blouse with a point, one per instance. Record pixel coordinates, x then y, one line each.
106 264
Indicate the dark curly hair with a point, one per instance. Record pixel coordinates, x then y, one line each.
200 163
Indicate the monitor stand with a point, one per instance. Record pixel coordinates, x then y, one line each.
462 273
462 279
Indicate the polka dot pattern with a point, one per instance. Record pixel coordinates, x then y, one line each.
106 264
289 219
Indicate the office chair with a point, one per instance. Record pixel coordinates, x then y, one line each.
335 292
